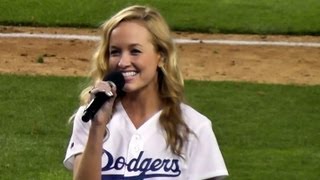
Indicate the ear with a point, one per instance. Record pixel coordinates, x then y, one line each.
161 60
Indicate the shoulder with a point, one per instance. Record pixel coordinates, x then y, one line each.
79 111
78 124
194 119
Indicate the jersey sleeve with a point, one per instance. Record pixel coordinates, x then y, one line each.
78 139
205 157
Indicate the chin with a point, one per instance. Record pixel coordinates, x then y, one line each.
128 88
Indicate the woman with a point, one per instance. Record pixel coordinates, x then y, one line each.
146 132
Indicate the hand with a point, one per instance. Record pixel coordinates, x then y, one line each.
104 114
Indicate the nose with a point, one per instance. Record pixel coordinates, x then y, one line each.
124 61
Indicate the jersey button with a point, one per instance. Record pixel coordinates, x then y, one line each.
136 149
136 145
137 137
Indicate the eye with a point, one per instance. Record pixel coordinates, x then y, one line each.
135 52
114 52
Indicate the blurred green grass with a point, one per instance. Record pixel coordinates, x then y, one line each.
264 131
34 129
212 16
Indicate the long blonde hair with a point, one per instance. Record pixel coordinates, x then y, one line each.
171 82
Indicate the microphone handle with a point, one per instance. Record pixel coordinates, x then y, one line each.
94 106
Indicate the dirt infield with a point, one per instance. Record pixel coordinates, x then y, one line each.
263 64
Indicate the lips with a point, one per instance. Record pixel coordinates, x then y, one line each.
129 75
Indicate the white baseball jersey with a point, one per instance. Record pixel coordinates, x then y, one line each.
131 153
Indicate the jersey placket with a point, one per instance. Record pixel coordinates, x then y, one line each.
135 150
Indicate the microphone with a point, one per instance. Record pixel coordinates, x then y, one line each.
117 79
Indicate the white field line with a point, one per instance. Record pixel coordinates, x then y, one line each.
179 41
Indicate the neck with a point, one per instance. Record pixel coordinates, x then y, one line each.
141 107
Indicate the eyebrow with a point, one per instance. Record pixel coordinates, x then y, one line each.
131 45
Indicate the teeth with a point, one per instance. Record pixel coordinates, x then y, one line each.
131 73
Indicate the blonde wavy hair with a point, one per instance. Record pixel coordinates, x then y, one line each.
171 82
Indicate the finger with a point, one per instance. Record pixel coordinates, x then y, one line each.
112 86
104 87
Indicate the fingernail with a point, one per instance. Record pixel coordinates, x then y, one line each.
109 93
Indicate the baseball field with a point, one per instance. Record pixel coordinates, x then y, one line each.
294 60
252 67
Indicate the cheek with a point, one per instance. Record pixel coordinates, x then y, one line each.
112 64
151 71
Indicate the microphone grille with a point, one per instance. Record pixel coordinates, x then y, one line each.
117 78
